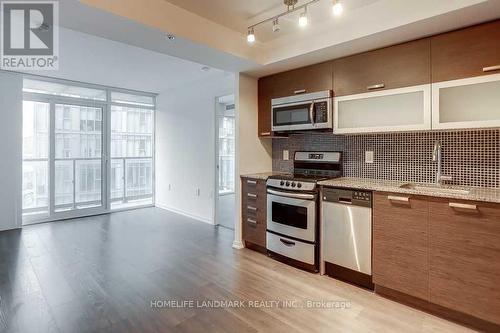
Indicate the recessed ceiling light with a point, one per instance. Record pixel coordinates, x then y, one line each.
205 68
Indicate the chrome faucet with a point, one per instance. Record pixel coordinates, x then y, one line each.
437 156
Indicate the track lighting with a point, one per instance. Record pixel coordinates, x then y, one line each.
251 35
292 7
276 25
337 7
303 18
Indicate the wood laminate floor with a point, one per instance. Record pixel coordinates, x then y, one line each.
100 274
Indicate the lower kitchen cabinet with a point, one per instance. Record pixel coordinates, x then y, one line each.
254 213
465 257
401 243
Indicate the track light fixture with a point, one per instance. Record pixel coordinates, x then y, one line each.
337 7
251 35
290 8
303 20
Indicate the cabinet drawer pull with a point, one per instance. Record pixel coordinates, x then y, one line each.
265 133
251 182
252 208
400 199
376 86
251 195
462 206
301 91
491 68
251 221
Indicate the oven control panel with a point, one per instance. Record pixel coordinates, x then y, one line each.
291 185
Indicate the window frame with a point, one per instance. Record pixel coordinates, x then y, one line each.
105 119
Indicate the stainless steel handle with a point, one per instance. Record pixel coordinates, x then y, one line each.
265 133
251 221
252 208
400 199
301 91
287 242
311 113
251 182
446 178
463 206
376 86
345 202
251 195
491 68
292 195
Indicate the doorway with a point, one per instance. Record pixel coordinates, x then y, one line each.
225 202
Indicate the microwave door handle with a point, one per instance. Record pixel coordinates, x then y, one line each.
311 113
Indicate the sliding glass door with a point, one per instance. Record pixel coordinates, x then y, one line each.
79 160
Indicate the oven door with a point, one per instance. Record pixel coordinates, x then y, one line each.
292 214
306 115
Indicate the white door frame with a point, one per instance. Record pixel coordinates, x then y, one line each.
216 154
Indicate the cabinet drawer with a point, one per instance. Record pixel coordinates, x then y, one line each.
400 243
392 67
465 257
253 210
466 53
291 248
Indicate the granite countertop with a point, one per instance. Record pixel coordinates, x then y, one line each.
263 175
475 193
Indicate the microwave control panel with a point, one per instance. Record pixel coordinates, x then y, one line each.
321 112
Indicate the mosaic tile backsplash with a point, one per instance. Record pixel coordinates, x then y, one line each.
472 158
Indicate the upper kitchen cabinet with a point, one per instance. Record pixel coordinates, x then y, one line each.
465 53
384 90
466 78
392 67
304 80
298 81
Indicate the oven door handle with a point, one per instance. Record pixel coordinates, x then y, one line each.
304 196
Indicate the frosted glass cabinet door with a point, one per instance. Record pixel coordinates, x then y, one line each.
467 103
403 109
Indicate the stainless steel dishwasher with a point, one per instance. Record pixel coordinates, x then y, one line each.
346 235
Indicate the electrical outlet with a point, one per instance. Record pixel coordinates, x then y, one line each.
198 192
369 157
170 187
286 155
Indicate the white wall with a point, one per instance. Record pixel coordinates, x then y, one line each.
253 155
185 146
10 150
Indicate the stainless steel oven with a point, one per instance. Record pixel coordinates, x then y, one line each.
292 214
302 112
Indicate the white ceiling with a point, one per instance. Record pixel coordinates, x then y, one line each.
214 32
239 15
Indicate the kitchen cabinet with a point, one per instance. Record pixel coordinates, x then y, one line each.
469 52
466 103
402 109
465 257
401 243
398 66
254 218
298 81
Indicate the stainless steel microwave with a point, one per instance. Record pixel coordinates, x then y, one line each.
302 112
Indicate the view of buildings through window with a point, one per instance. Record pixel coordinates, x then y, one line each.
226 149
74 147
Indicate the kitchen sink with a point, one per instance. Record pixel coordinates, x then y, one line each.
436 189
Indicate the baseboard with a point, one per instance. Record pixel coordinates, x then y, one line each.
181 212
238 245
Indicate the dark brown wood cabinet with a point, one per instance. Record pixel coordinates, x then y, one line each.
401 243
465 257
398 66
466 53
298 81
254 202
